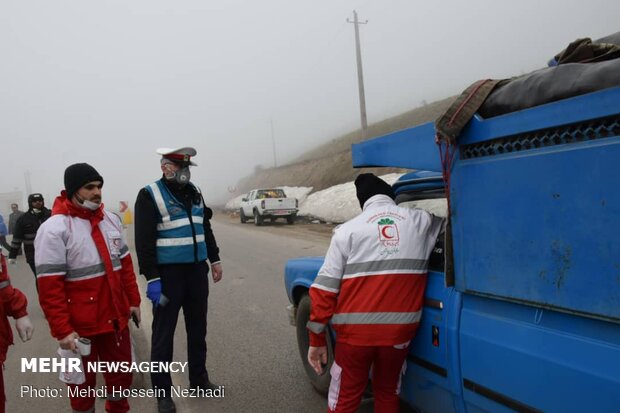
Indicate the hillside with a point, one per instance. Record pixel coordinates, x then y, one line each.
330 163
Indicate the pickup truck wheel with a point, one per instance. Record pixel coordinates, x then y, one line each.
319 382
290 220
242 216
258 219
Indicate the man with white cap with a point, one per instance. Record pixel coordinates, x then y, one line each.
174 240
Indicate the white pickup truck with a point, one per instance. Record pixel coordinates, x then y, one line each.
267 203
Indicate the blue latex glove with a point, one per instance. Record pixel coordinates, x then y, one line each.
153 292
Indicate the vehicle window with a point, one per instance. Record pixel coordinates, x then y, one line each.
437 207
270 193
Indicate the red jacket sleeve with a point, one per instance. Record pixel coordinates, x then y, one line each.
13 301
326 287
50 256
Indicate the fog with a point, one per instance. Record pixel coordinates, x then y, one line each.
108 82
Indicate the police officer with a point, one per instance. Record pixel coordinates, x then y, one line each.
173 242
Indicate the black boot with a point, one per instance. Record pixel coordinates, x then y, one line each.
166 405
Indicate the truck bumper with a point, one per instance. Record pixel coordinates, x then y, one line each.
279 213
291 310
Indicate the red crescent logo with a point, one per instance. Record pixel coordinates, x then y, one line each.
384 232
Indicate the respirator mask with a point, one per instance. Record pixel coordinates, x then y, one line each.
181 176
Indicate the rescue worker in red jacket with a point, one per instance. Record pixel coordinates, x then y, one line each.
12 303
87 285
371 288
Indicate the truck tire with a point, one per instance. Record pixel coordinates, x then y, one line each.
290 219
319 382
258 219
242 216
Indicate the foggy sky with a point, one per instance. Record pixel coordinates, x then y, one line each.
108 82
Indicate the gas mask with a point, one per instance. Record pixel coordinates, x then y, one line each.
181 177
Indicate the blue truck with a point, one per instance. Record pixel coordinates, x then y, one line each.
527 319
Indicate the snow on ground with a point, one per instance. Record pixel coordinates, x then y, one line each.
299 192
339 203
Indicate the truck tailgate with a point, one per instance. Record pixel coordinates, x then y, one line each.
280 203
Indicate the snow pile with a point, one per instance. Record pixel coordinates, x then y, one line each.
337 203
299 192
234 204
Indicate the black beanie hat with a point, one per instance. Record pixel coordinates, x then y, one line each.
78 175
34 197
369 185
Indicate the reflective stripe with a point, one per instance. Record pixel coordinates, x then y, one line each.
86 277
16 241
30 236
116 262
159 201
4 284
315 327
386 265
178 223
328 282
90 271
173 242
51 269
377 318
50 275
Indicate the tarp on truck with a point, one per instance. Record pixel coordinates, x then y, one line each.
584 66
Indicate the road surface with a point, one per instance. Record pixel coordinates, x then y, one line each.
252 349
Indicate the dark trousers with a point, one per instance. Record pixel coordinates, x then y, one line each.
185 286
34 271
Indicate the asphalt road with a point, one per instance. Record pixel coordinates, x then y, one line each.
252 349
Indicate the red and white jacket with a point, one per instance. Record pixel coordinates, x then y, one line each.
84 271
13 303
371 285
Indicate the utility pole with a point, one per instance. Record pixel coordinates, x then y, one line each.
27 179
360 73
273 144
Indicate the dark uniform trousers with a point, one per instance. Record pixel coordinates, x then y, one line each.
185 286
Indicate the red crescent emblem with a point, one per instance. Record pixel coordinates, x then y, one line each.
384 232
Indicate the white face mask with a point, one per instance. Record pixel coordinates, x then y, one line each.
93 206
84 203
